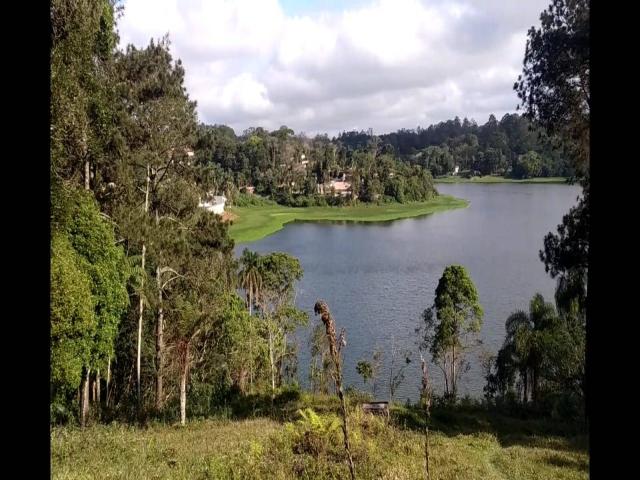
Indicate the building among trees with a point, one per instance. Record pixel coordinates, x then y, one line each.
215 204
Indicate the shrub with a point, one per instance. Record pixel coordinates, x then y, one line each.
313 434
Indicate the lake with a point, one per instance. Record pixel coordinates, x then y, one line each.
377 278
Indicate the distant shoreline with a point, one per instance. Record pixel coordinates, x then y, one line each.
256 222
494 179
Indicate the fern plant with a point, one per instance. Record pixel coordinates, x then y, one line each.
312 433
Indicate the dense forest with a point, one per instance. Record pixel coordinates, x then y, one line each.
151 314
297 170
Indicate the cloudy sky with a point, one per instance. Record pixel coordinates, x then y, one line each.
325 66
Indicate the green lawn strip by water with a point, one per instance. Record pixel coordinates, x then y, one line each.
496 179
256 222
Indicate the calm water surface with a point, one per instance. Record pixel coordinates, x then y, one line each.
378 278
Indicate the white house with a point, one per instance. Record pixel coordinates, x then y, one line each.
215 205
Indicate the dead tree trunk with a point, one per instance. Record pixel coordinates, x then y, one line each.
106 394
183 384
272 364
453 373
141 306
140 315
322 308
87 175
84 413
159 346
98 401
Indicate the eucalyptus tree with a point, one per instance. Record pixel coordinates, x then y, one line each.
280 272
451 325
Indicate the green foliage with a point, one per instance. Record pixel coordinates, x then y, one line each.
541 360
451 325
89 275
72 308
312 433
567 252
555 83
319 370
82 87
528 165
245 200
365 370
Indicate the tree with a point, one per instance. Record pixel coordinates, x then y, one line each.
526 340
279 272
554 86
73 323
555 91
452 324
566 254
396 375
319 370
251 282
543 351
85 260
240 343
425 400
438 159
158 124
250 277
83 136
197 310
528 165
365 370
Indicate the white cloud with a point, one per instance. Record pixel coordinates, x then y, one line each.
386 64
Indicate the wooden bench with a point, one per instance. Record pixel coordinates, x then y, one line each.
376 408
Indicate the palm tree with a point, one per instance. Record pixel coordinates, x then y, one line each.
525 341
250 277
251 282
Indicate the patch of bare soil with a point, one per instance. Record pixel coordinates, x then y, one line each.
229 217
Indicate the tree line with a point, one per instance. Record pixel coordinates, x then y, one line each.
296 170
145 302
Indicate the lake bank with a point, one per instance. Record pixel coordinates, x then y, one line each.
494 179
256 222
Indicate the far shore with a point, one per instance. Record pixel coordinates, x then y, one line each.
256 222
496 179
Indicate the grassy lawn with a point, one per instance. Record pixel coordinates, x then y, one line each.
255 222
263 448
496 179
